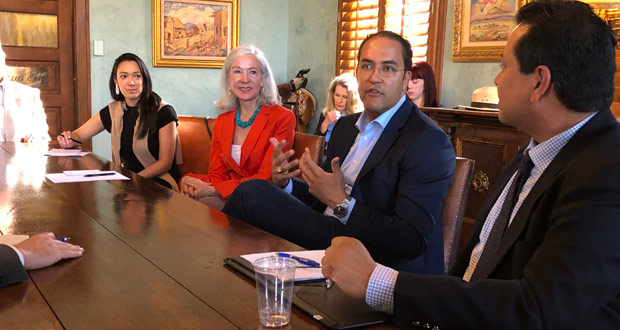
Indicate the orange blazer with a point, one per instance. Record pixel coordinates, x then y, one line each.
255 163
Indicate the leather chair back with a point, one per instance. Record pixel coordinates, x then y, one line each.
454 208
315 143
195 136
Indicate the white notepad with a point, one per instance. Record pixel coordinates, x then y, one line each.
81 176
301 273
66 153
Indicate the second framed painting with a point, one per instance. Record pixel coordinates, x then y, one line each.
481 28
193 33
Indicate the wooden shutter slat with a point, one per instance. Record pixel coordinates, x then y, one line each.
358 18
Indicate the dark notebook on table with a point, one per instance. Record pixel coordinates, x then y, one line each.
331 307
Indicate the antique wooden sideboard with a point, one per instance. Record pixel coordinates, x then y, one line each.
480 136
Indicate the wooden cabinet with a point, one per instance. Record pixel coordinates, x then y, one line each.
480 136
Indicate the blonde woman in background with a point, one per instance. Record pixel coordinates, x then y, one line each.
240 147
342 99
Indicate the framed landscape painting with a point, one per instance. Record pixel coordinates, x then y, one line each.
192 33
481 28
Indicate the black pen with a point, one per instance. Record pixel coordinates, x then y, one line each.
72 139
99 174
63 239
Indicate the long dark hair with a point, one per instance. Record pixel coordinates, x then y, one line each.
424 71
149 101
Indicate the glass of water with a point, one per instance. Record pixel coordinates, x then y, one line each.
274 287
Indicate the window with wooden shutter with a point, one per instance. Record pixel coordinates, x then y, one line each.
358 19
422 22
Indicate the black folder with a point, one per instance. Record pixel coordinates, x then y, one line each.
331 307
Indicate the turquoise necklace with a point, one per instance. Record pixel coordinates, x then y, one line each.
244 124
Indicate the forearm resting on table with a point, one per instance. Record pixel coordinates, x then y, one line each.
158 168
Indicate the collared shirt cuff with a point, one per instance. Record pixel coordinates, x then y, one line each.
19 253
289 187
330 212
380 290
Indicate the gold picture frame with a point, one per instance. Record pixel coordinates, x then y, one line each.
194 33
481 37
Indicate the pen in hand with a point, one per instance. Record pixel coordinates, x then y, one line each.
72 139
99 174
63 239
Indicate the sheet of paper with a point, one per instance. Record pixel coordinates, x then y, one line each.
12 239
63 178
66 153
301 273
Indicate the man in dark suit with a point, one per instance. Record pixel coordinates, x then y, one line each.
384 180
38 251
546 255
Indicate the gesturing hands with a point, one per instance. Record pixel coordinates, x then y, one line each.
327 187
197 189
280 166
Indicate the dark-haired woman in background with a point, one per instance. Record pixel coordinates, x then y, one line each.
421 89
143 128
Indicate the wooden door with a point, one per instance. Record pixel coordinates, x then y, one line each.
46 45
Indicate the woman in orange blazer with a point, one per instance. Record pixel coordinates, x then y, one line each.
240 147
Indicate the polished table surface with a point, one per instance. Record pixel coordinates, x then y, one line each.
153 259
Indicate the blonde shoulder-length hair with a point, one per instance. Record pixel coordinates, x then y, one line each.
354 103
267 95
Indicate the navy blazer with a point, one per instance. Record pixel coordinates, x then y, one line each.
11 269
559 261
399 191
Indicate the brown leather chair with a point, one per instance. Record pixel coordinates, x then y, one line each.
315 143
454 207
195 136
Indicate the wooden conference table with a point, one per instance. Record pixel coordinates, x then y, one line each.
153 259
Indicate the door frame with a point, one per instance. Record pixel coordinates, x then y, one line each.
81 61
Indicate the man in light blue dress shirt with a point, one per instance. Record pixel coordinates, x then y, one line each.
557 263
384 180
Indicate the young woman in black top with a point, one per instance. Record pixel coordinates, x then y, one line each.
142 127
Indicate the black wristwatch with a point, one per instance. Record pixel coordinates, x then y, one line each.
342 209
